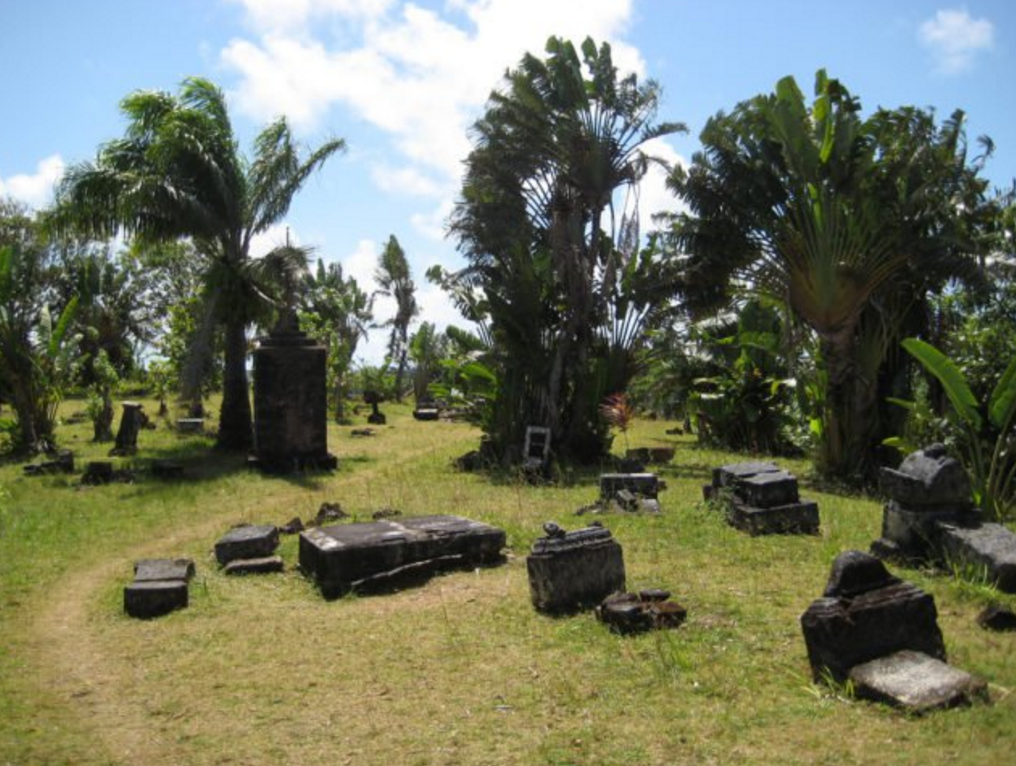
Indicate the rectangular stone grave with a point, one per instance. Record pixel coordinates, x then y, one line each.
148 570
190 425
989 548
767 490
915 682
727 475
154 598
426 413
383 554
800 518
641 484
250 542
574 569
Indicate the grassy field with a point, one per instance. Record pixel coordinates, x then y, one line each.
459 671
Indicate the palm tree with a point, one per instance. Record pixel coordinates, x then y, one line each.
846 221
394 280
177 172
559 268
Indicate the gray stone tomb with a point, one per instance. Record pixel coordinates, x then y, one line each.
931 517
159 587
247 542
571 570
386 554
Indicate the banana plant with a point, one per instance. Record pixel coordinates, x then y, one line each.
992 468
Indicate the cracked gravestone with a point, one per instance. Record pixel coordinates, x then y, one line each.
571 570
387 554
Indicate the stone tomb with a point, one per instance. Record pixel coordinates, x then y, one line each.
246 543
159 587
290 402
931 517
571 570
386 554
629 613
630 491
882 634
762 499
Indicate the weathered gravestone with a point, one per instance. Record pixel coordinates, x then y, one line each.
254 541
159 587
762 499
571 570
290 401
386 554
132 421
426 410
630 491
931 517
882 634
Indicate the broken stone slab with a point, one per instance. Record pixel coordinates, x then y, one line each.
153 570
249 542
728 475
988 547
387 553
292 526
154 598
63 463
800 518
263 565
629 613
867 613
426 413
571 570
190 425
997 617
913 536
916 682
927 478
642 484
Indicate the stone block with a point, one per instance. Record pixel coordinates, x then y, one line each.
997 617
641 484
854 625
568 571
154 598
916 682
987 547
190 425
250 542
426 413
383 554
152 570
727 475
263 565
927 478
915 533
800 518
628 613
767 490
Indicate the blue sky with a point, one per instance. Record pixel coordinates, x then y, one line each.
401 82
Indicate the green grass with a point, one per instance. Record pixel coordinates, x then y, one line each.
461 670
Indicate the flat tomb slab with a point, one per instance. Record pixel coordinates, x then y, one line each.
727 475
252 542
149 570
767 490
792 519
916 682
384 553
990 546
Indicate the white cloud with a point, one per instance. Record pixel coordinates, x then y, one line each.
293 15
432 224
274 236
35 190
954 38
654 196
405 180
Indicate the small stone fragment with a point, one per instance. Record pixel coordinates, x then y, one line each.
997 617
150 570
329 512
292 526
250 542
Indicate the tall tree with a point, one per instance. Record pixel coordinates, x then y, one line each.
566 287
847 221
395 281
177 172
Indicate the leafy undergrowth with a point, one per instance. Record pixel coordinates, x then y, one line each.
461 670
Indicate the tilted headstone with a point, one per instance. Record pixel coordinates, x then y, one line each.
248 542
379 555
571 570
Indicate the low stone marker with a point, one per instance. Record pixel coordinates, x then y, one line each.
571 570
248 542
628 613
159 587
132 421
190 425
762 499
386 554
426 413
997 617
882 634
263 565
931 517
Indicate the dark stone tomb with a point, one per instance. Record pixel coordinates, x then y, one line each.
628 613
762 499
386 554
159 587
290 401
132 421
571 570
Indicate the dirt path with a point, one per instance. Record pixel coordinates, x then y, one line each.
75 665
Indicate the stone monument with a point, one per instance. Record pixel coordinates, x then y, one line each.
571 570
761 499
290 401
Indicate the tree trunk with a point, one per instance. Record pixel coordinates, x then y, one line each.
235 432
